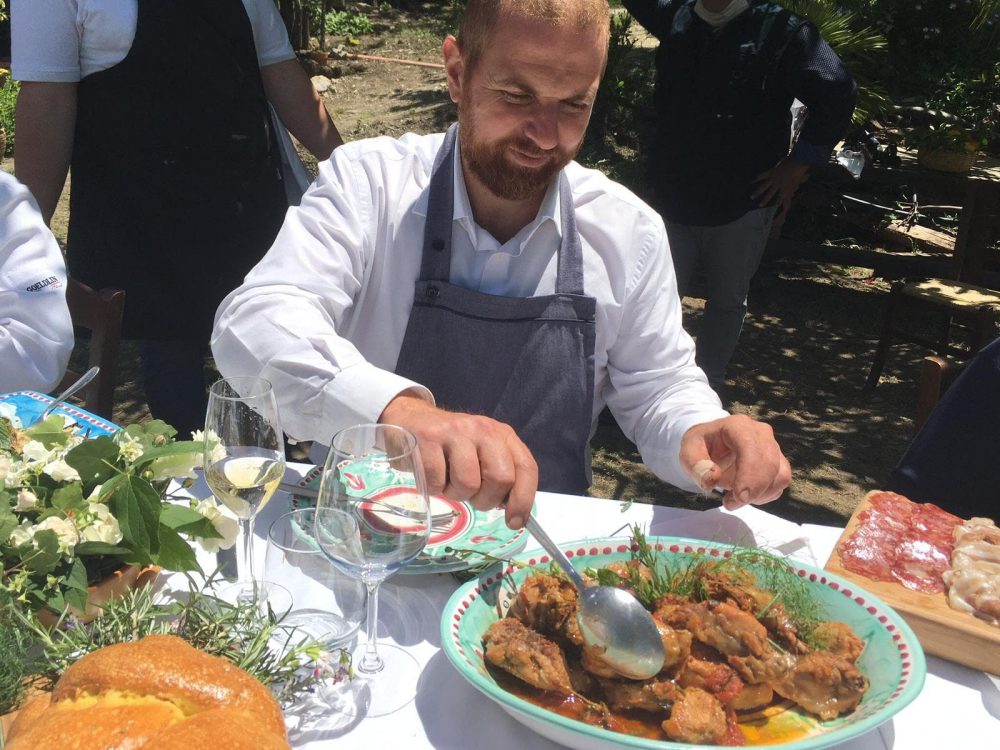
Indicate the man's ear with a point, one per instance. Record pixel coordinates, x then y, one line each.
453 66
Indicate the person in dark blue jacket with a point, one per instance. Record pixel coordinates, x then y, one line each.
728 72
952 461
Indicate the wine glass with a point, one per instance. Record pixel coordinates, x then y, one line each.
244 457
328 606
372 519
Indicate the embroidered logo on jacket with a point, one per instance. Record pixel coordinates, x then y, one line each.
50 281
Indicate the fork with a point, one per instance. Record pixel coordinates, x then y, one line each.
436 518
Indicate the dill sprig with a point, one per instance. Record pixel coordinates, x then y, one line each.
248 633
15 641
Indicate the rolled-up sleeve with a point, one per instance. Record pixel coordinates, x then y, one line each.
36 333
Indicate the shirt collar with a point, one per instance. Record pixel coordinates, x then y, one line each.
462 210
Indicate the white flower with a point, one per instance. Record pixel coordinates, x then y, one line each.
95 494
34 451
5 466
23 534
26 500
214 449
65 531
224 521
129 448
104 527
62 471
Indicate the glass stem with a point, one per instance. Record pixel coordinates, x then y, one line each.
246 572
371 662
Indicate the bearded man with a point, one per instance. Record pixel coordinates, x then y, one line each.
488 293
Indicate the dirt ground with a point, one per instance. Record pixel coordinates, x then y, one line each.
807 342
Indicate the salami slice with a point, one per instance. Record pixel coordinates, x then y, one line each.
919 565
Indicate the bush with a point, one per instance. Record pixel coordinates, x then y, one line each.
346 23
8 102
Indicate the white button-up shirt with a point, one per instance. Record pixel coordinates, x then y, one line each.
323 315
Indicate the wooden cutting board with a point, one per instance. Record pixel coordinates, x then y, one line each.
941 630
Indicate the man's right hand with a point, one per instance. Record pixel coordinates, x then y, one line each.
469 457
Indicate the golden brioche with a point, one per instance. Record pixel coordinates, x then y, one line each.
158 693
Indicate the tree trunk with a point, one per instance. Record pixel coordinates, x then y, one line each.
296 18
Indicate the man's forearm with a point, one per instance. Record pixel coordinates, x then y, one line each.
45 123
300 108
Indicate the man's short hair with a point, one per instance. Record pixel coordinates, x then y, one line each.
483 16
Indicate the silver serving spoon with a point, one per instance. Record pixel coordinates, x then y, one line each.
73 388
611 619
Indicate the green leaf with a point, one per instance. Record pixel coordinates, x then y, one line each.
194 447
91 460
50 432
8 521
136 505
5 435
45 558
175 553
68 497
188 521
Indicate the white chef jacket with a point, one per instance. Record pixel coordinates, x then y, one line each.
36 334
322 316
62 41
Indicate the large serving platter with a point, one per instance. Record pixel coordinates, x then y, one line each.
462 542
28 406
892 659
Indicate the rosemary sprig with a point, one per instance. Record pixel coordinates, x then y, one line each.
247 633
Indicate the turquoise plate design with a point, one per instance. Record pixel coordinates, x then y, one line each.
470 531
29 405
892 660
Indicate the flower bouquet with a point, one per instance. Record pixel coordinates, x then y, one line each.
74 511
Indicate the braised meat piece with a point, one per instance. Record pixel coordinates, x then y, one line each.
711 676
739 588
655 695
548 604
676 643
527 655
697 717
823 684
723 626
839 639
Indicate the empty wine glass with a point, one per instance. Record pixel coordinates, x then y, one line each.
244 456
328 606
372 519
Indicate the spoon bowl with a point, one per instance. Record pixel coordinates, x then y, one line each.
611 619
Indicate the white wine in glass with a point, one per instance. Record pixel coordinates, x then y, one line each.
244 456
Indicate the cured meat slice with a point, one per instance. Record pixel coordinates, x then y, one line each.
865 554
919 565
894 504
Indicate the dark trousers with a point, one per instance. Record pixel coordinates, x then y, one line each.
173 376
953 459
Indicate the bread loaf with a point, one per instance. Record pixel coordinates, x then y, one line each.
158 693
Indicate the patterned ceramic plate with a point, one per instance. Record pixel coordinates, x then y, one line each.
29 405
892 660
454 542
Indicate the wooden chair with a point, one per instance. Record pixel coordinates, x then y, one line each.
100 313
936 375
963 300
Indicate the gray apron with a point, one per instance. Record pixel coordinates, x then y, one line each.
528 361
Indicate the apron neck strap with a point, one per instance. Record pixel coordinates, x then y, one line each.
435 263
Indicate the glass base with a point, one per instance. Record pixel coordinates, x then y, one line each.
393 686
267 594
329 629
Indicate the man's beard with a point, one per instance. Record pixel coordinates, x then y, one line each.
491 165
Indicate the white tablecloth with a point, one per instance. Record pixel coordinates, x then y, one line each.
959 707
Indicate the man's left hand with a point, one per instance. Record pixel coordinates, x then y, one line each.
777 186
739 455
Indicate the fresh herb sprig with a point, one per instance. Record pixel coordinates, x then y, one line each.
251 636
